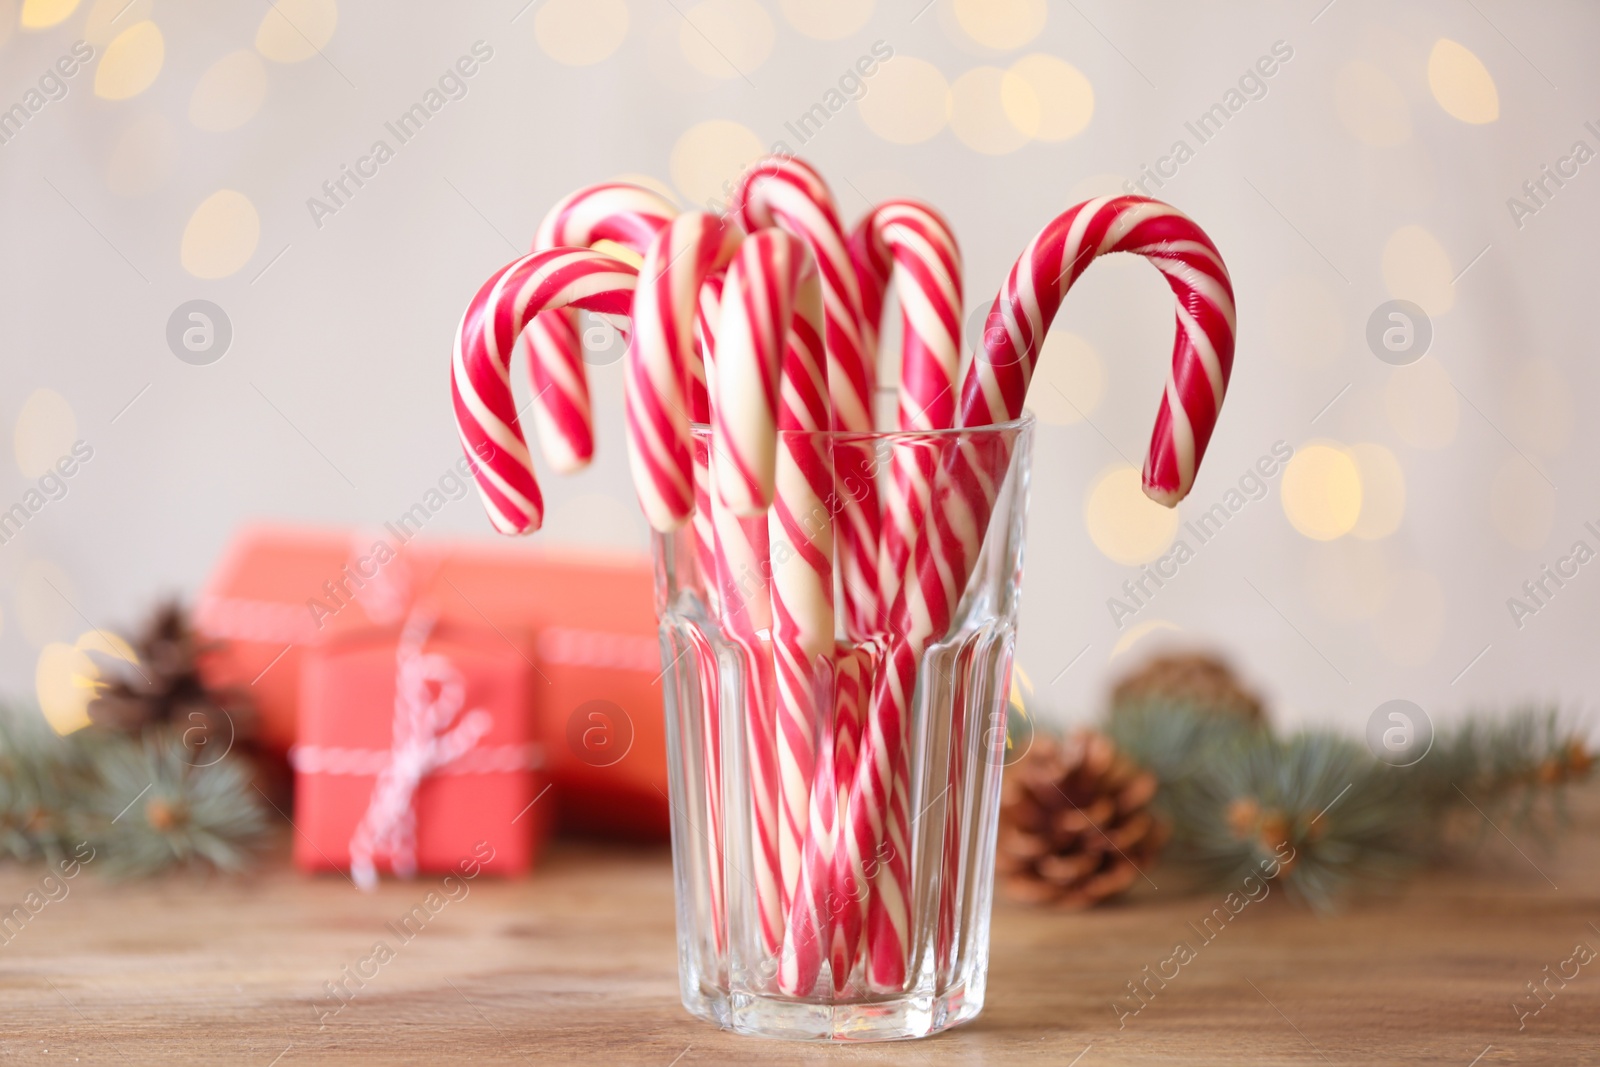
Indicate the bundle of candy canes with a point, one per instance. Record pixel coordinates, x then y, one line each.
764 326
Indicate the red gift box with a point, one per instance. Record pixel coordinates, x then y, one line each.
585 619
416 753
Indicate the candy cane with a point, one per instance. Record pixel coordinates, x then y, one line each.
1202 354
660 354
916 240
486 415
783 192
994 390
853 685
770 412
700 364
628 215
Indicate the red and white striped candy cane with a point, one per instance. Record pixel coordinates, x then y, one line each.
914 239
628 215
480 382
660 355
996 382
783 192
917 240
994 390
1202 355
739 571
700 368
770 411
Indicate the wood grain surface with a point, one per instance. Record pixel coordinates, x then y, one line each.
577 965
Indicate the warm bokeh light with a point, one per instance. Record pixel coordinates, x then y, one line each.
710 156
1069 380
909 101
726 38
221 236
131 62
229 93
1001 24
1321 491
827 20
42 14
1123 523
1046 98
1461 83
65 676
63 683
978 113
108 17
45 430
1383 491
648 181
1417 268
580 33
1138 632
293 31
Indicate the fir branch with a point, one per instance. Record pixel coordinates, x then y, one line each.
40 775
153 808
1336 819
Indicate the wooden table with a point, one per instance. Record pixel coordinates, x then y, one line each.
577 965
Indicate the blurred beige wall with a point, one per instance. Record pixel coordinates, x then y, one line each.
1343 155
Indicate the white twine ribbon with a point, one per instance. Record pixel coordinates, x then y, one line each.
429 692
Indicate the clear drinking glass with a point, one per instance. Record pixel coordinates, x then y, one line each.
867 916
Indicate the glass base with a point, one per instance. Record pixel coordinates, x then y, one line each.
889 1019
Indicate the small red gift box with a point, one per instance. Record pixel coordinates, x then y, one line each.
416 753
585 619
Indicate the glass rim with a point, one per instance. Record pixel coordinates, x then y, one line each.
1023 422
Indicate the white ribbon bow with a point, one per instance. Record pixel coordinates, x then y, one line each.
429 692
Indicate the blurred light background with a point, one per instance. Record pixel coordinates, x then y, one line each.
1384 157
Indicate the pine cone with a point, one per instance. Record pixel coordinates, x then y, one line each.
165 687
1194 680
1075 824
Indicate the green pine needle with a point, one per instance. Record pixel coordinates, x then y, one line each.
154 807
1237 796
40 772
145 804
